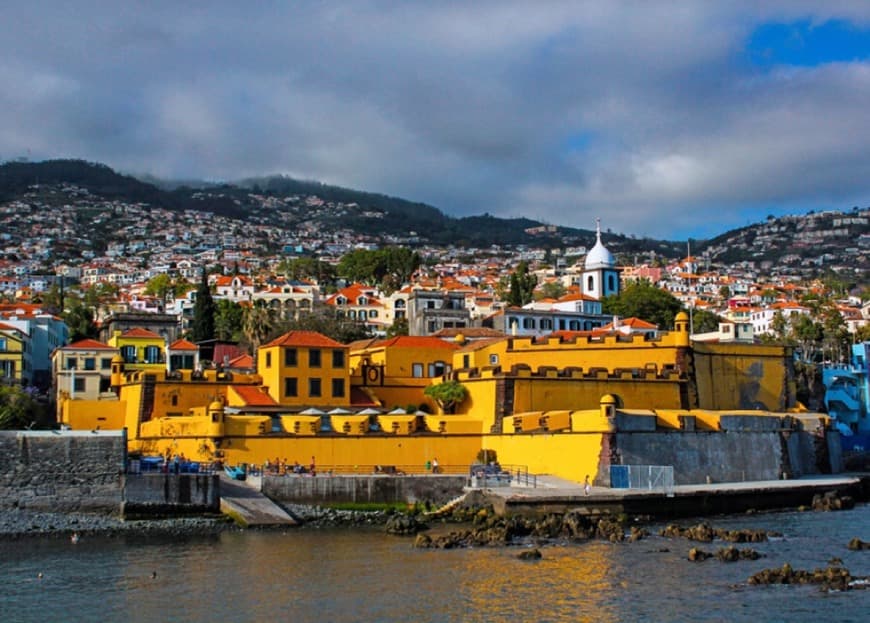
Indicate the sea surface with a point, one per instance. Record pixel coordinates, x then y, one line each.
344 575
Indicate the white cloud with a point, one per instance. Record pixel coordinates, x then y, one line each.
468 106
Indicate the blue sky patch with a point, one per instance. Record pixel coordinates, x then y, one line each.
807 44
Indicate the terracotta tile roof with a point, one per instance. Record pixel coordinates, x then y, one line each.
416 341
230 351
140 332
183 344
254 396
480 344
243 362
469 332
304 338
634 323
87 344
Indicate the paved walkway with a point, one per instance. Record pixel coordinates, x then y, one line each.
244 500
555 487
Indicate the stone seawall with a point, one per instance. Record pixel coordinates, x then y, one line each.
162 494
84 472
434 489
62 471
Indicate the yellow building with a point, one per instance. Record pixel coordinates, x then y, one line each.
398 369
12 361
558 407
305 369
83 371
141 349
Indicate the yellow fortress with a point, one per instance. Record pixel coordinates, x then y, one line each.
566 407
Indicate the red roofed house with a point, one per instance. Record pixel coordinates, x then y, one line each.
183 355
305 369
363 304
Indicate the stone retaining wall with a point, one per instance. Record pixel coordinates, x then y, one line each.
160 494
78 471
62 471
434 489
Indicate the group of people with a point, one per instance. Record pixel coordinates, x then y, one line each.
281 468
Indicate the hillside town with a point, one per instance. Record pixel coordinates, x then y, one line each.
63 245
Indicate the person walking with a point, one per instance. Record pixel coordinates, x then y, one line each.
586 486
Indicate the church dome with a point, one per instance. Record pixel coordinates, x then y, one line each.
599 256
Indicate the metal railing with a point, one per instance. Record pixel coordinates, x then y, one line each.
482 476
650 477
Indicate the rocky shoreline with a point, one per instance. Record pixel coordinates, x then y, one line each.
17 524
20 523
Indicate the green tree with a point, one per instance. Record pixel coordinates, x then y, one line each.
159 286
306 268
362 265
725 293
704 321
79 319
228 319
324 320
552 290
389 268
807 334
643 300
257 323
522 286
448 394
399 327
203 312
18 409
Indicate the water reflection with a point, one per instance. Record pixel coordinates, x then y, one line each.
344 576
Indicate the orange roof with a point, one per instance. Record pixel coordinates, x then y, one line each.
254 396
634 323
416 341
182 344
244 361
304 338
140 332
87 344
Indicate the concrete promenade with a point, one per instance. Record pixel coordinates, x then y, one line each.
558 495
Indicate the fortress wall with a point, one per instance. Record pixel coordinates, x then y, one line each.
62 471
378 489
721 456
742 376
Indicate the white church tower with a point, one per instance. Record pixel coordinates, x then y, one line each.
600 276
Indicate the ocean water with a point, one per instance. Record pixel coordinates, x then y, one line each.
345 575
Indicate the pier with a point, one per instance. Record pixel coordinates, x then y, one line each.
555 495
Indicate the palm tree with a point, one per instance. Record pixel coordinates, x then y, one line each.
257 324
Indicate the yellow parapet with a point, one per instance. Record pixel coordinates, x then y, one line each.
556 420
246 425
454 424
525 422
301 424
590 421
350 424
398 424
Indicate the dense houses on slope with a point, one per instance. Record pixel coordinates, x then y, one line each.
458 291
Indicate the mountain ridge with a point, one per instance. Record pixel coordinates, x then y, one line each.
829 237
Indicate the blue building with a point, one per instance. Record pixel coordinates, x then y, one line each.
847 397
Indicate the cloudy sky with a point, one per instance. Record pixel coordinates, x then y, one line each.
665 119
